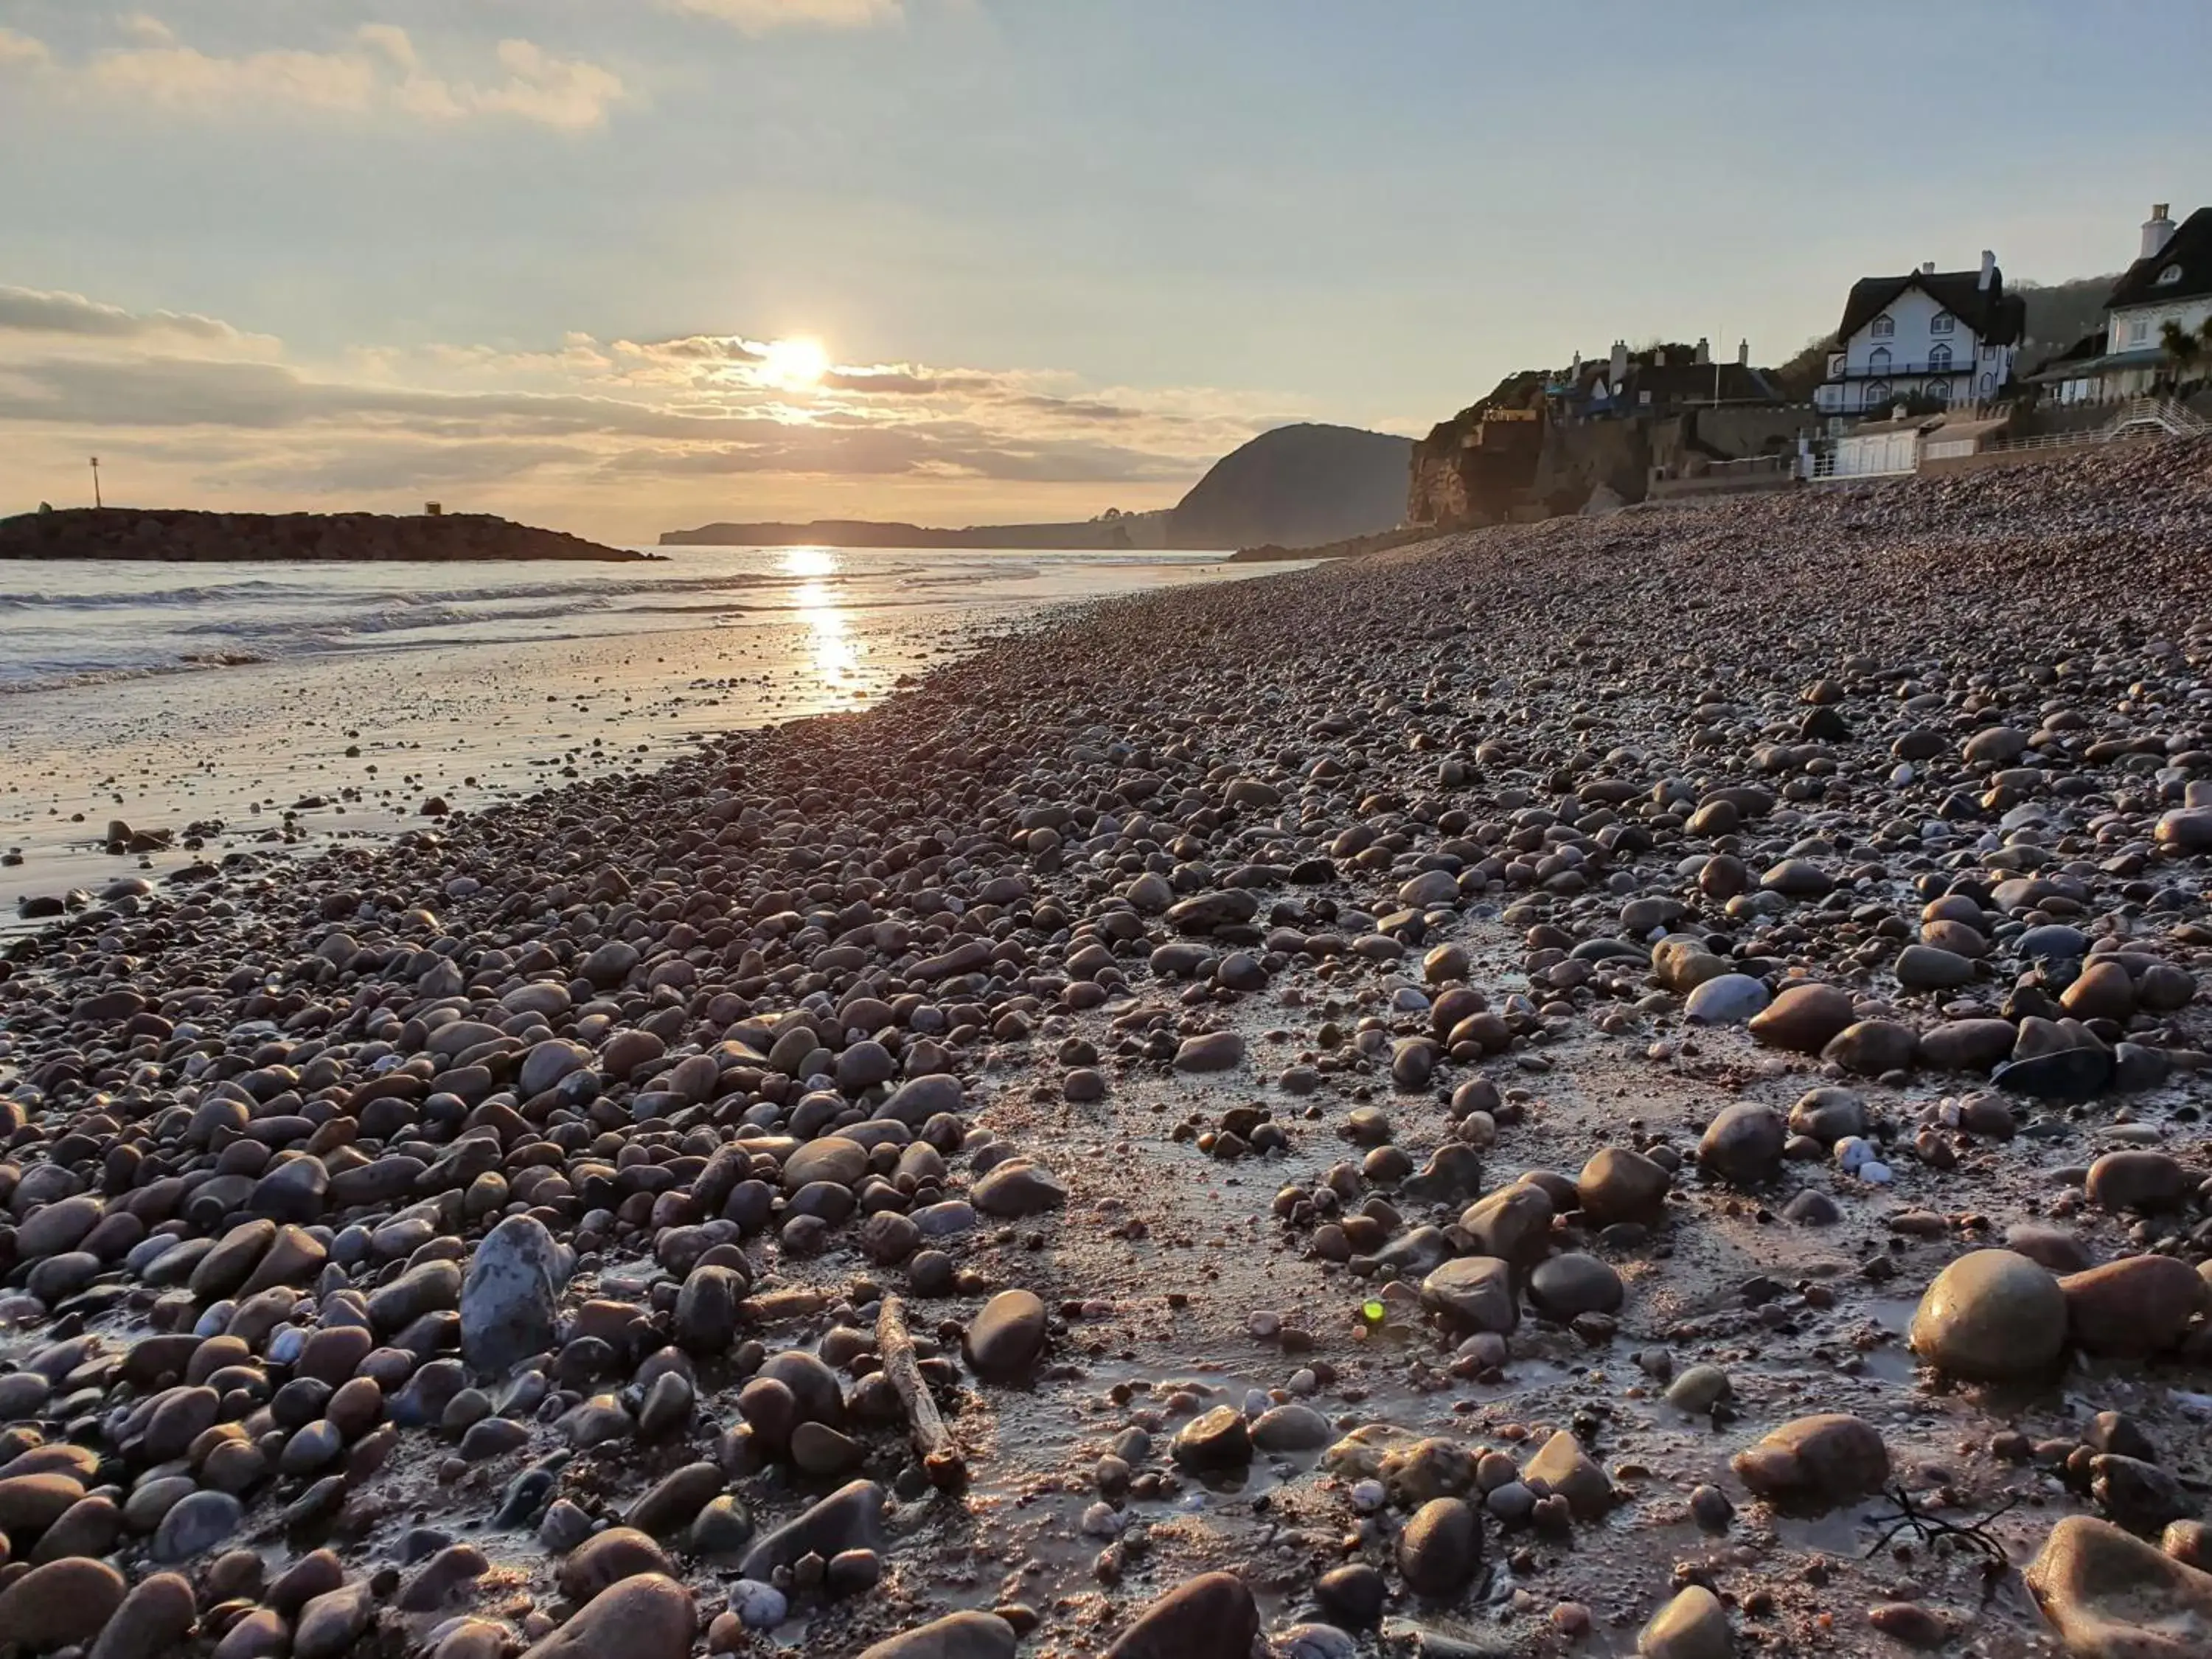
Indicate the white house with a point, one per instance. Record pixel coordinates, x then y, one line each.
2170 282
1949 336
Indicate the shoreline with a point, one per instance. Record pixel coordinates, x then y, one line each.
372 730
1514 1021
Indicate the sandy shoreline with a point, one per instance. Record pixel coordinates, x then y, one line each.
223 761
1406 1105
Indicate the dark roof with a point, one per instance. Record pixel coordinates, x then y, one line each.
1694 383
1997 318
2190 247
1680 379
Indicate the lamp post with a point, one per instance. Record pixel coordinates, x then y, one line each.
96 501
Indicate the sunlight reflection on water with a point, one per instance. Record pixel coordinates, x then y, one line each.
836 653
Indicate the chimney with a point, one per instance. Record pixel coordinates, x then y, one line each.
1704 349
2158 229
1927 267
1620 363
1743 353
1989 270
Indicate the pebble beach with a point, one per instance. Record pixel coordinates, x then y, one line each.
1625 1085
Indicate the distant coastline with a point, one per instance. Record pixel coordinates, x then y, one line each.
1132 532
177 535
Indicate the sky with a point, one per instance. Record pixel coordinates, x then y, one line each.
620 266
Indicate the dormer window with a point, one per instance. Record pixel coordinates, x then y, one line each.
1942 323
1882 327
2171 274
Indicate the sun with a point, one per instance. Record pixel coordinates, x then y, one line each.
794 364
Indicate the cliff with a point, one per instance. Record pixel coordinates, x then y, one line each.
182 536
1296 486
1546 443
1479 467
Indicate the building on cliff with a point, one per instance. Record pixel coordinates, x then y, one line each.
1550 441
1945 338
1661 381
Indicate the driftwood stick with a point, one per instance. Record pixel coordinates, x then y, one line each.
940 1457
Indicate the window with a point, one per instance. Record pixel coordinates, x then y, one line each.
1939 358
1878 359
1882 327
1942 323
1940 390
1877 393
2138 332
2171 274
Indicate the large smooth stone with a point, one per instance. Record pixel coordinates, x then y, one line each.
1441 1547
1562 1464
957 1636
1804 1017
1510 1223
1873 1048
1926 968
2133 1308
1007 1335
648 1617
1725 999
849 1518
1816 1463
1472 1293
2138 1180
1017 1188
1991 1315
1967 1045
1216 1439
1574 1284
1213 1051
1212 1616
1620 1185
511 1295
833 1158
2066 1074
154 1618
1694 1626
1743 1144
606 1559
61 1603
2110 1595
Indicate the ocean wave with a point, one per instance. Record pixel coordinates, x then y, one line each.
68 679
269 593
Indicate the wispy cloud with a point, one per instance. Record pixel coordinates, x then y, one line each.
17 48
33 310
376 71
762 16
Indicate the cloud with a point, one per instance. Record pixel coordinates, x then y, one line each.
762 16
30 311
620 432
377 71
17 48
